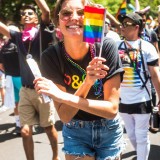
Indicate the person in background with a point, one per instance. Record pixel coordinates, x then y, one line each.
140 60
157 29
10 64
1 42
108 32
150 36
32 108
84 87
2 89
2 81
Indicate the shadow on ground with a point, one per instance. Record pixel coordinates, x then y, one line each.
154 153
128 154
6 132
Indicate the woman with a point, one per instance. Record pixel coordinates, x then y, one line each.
85 91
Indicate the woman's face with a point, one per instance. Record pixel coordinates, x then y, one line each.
71 18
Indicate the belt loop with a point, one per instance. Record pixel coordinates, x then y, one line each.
81 124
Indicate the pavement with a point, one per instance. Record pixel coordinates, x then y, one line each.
11 147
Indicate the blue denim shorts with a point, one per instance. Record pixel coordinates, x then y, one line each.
102 139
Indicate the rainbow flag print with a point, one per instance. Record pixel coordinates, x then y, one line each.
93 24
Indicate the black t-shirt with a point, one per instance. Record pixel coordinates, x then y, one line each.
57 67
23 47
9 58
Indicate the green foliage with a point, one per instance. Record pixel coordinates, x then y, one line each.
113 5
10 8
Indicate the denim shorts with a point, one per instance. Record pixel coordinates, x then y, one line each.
102 139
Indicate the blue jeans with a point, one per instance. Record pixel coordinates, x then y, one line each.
102 139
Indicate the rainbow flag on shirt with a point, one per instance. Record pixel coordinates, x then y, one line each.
93 24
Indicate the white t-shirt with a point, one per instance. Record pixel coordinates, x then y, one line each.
113 35
131 90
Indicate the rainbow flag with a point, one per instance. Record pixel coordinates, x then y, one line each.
93 24
122 9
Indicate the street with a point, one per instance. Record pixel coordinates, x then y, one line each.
11 147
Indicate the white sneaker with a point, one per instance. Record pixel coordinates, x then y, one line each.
3 108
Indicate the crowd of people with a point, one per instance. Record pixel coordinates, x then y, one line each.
92 95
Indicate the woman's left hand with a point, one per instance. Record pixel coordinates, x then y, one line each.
96 70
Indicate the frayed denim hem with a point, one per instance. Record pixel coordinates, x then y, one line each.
110 158
79 155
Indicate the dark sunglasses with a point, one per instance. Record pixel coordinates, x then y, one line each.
127 24
29 13
66 14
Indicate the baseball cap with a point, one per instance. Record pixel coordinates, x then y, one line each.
134 16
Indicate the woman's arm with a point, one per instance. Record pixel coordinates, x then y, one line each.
66 112
95 70
106 108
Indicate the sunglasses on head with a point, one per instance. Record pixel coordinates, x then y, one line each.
127 24
29 13
66 14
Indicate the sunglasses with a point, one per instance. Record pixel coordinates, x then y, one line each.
65 14
127 24
29 13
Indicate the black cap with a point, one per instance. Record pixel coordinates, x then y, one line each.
134 16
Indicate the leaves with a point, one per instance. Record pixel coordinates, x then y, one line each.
10 8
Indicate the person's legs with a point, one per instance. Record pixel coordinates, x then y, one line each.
28 117
17 85
129 124
2 91
2 87
53 138
26 133
46 113
142 137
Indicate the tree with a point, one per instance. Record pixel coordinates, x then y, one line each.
10 8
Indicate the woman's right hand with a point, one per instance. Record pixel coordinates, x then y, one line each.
47 87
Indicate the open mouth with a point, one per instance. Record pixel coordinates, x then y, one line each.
74 26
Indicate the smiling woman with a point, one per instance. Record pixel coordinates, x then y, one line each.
84 87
